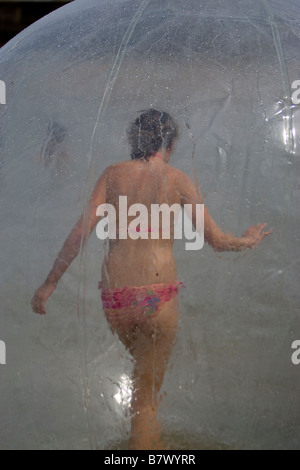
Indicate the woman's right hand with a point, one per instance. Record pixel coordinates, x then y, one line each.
40 298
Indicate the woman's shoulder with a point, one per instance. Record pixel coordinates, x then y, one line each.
117 167
169 171
178 175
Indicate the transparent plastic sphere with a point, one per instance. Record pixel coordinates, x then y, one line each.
74 80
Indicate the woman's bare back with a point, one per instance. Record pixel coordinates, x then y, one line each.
143 261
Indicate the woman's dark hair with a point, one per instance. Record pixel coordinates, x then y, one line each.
151 131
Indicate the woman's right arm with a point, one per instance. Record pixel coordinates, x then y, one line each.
190 194
72 246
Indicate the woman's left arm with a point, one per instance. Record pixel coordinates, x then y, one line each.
214 236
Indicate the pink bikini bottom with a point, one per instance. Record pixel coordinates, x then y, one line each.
147 300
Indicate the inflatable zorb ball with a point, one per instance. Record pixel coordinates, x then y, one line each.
228 72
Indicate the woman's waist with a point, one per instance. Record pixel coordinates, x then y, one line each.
138 269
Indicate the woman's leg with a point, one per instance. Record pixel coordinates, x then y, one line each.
151 348
150 342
